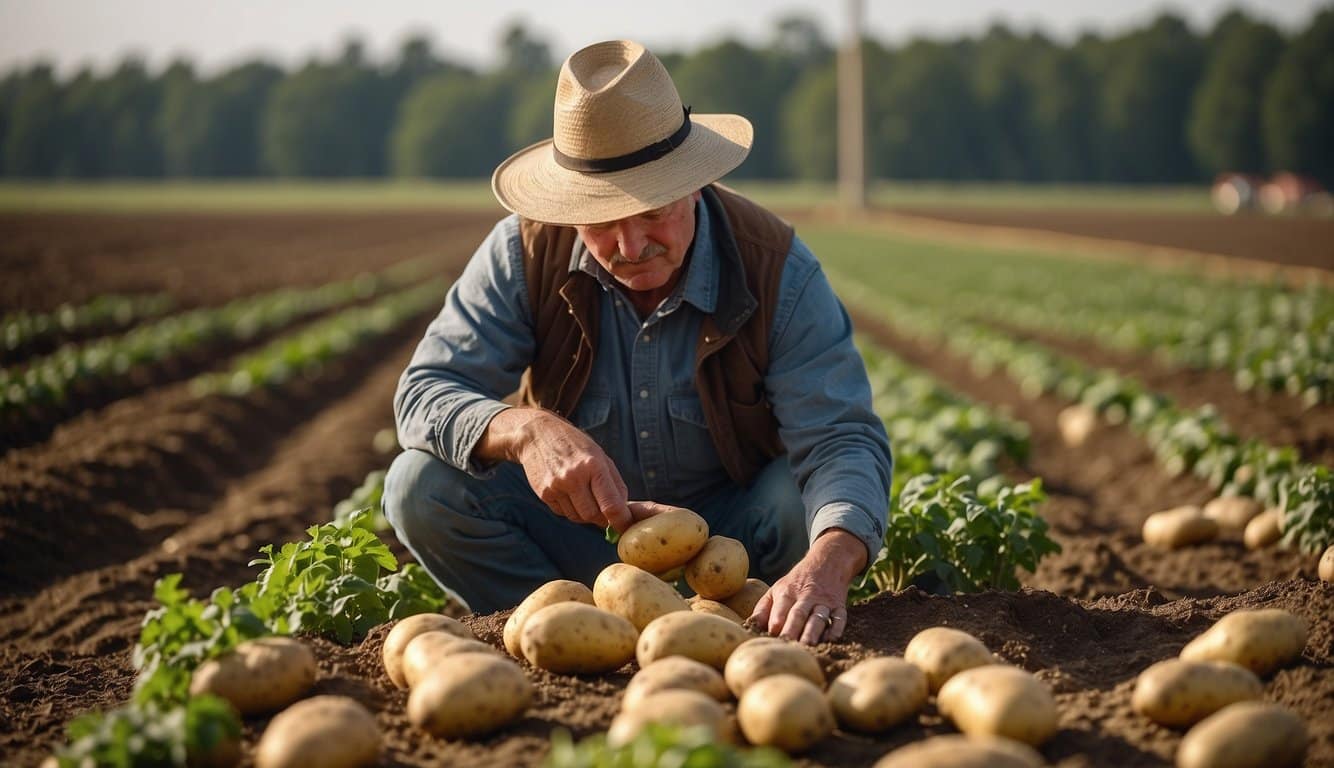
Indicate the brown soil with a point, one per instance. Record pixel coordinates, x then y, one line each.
1299 241
160 483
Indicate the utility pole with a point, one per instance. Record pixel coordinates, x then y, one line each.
851 114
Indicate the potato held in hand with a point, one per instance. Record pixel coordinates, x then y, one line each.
258 675
943 652
785 711
719 570
407 629
635 595
999 700
1260 640
578 638
1249 734
328 731
878 694
472 697
1178 693
664 541
558 591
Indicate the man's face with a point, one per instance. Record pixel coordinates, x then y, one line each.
644 252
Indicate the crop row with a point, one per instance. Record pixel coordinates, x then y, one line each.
19 330
1183 440
1272 338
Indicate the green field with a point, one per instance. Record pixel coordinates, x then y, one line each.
142 196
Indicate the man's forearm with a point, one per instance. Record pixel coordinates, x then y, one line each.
842 552
506 434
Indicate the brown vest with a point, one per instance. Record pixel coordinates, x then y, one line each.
731 354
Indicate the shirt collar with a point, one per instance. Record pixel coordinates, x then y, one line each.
700 286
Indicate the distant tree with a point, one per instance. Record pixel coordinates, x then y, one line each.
1298 118
1146 94
1224 123
452 126
1001 64
530 115
809 126
799 40
1063 104
523 53
33 140
211 128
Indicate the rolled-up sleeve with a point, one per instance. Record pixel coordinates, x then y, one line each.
473 355
818 387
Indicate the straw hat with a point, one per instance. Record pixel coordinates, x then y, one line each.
623 143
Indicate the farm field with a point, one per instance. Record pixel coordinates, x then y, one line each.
160 468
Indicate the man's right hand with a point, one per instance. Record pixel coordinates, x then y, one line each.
566 469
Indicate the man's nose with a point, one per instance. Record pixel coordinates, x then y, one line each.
631 242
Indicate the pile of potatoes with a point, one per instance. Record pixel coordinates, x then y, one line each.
1213 688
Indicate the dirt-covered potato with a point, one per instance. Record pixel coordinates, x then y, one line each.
699 636
955 751
680 707
408 628
672 673
704 605
877 694
259 675
331 731
664 541
1178 693
1259 640
1326 569
743 602
635 595
1264 529
943 652
762 657
785 711
578 638
999 700
1248 734
558 591
428 650
1179 527
473 695
1232 513
719 570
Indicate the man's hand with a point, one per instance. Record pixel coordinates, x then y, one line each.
565 468
810 603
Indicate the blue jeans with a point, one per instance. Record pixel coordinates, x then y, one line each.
493 541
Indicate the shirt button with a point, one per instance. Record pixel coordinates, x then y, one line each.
643 435
643 394
618 303
651 474
648 337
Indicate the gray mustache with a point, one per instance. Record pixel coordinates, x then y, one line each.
649 251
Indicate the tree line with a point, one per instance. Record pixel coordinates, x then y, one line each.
1160 103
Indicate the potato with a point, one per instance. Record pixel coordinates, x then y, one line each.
1179 527
785 711
635 595
1178 693
473 695
680 707
766 656
719 570
877 694
699 636
1327 564
558 591
704 605
258 675
954 751
664 541
672 673
744 602
1232 513
999 700
942 652
331 731
1263 530
427 651
408 628
1076 424
1259 640
1248 734
577 638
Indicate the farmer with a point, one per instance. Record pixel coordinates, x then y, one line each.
636 332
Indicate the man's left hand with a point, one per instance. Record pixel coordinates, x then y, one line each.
810 603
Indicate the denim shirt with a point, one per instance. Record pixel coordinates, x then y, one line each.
640 404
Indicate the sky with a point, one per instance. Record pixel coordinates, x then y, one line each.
217 33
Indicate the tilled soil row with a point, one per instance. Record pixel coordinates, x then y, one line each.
1099 496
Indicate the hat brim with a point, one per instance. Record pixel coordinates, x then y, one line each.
531 184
